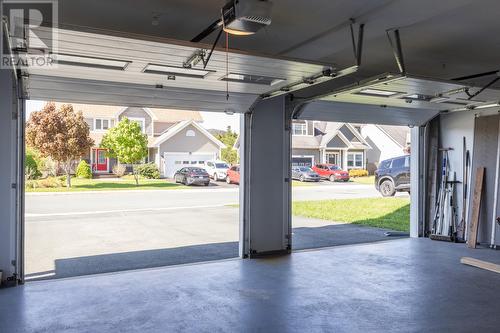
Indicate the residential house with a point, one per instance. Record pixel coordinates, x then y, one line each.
328 142
386 142
176 138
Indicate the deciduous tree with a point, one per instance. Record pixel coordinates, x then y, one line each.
127 143
61 134
228 154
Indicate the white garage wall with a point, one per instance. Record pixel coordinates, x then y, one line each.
453 127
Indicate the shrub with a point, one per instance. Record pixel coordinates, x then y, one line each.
119 170
30 183
83 170
148 170
31 167
358 173
49 182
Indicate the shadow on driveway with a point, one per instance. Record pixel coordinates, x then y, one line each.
303 238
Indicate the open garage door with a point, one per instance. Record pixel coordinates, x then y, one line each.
176 161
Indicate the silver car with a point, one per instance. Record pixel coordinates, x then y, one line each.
305 174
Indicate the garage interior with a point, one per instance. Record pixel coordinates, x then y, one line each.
432 66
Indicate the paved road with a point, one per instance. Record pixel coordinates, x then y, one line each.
41 204
83 233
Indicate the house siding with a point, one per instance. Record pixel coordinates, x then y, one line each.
336 142
383 147
139 113
180 143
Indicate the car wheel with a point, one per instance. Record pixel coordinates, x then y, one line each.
228 180
387 188
206 184
301 178
332 178
216 179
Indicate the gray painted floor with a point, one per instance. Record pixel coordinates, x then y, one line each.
407 285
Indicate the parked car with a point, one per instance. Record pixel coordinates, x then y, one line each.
192 176
393 175
305 174
217 169
233 175
331 172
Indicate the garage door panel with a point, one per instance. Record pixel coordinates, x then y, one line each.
135 95
367 114
302 161
176 161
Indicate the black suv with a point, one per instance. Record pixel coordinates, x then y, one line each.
393 175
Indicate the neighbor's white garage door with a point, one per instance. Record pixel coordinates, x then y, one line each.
177 161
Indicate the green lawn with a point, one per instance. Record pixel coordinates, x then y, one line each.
390 213
125 183
369 180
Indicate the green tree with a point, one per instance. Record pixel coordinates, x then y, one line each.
228 154
61 134
127 143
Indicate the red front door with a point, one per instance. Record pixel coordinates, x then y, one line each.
100 160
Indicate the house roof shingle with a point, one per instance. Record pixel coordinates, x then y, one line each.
160 115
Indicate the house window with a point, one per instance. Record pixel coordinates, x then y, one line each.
354 160
140 121
190 133
299 129
101 124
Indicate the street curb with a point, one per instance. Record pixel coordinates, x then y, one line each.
194 190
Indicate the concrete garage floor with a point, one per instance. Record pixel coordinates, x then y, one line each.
407 285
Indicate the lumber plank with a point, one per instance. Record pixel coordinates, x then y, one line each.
489 266
476 207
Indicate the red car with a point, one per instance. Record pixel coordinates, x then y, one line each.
331 172
233 175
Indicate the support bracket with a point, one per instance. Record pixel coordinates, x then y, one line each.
395 42
357 45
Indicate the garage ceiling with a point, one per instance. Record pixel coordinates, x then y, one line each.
318 32
440 38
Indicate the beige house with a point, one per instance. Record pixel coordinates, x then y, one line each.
176 138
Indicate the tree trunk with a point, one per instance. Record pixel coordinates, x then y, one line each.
136 176
68 174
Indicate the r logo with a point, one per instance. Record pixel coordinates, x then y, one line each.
32 38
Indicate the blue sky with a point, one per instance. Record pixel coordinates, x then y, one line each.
216 120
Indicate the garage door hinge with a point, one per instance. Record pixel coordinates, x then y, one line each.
287 180
13 263
13 185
